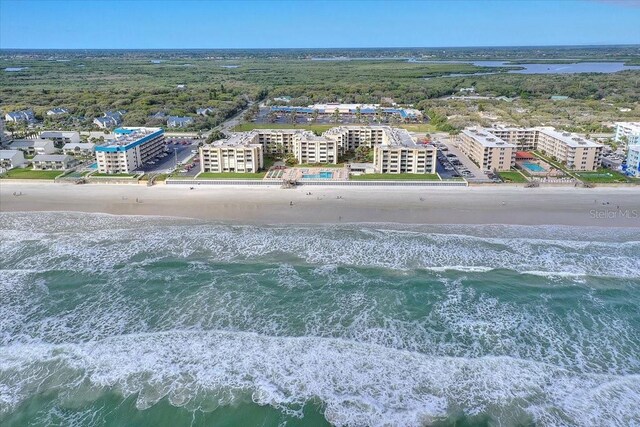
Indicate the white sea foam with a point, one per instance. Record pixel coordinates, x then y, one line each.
359 384
99 242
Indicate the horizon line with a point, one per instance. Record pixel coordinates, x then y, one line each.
324 48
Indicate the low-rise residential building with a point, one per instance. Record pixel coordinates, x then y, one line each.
79 149
61 137
58 111
179 122
32 147
204 111
628 133
20 116
395 151
487 150
633 161
10 159
130 149
51 162
351 110
109 120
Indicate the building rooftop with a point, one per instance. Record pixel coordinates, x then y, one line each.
570 139
486 138
126 138
7 154
51 158
58 134
27 143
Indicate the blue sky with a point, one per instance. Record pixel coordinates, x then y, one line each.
264 24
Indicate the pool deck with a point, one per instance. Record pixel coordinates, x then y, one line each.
297 174
547 169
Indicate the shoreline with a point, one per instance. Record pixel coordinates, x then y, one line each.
601 207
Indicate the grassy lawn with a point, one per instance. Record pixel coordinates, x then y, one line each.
395 177
317 129
30 174
602 176
512 176
418 127
113 175
230 175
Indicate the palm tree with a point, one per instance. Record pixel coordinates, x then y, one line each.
336 116
358 114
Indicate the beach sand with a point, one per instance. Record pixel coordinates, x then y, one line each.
606 207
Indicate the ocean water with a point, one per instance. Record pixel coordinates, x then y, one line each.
139 321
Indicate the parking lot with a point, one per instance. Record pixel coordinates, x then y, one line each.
452 163
181 149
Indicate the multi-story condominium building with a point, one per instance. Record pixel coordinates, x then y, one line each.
11 159
633 161
394 149
487 150
240 153
61 137
20 116
131 148
52 162
524 138
33 146
628 132
575 152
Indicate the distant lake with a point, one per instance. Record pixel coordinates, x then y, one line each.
546 68
230 66
14 69
551 68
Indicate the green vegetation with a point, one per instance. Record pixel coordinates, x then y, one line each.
512 176
92 82
395 177
230 175
602 176
21 173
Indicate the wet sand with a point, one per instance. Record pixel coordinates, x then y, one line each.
606 207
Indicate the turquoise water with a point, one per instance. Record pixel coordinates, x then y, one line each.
533 167
320 175
136 321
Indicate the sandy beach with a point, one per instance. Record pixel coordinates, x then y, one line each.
607 207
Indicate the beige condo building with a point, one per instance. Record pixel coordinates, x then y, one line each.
487 150
394 149
576 152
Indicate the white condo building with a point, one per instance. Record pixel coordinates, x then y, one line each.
629 132
633 161
131 148
395 151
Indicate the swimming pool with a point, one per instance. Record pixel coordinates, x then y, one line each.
321 175
93 166
533 167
